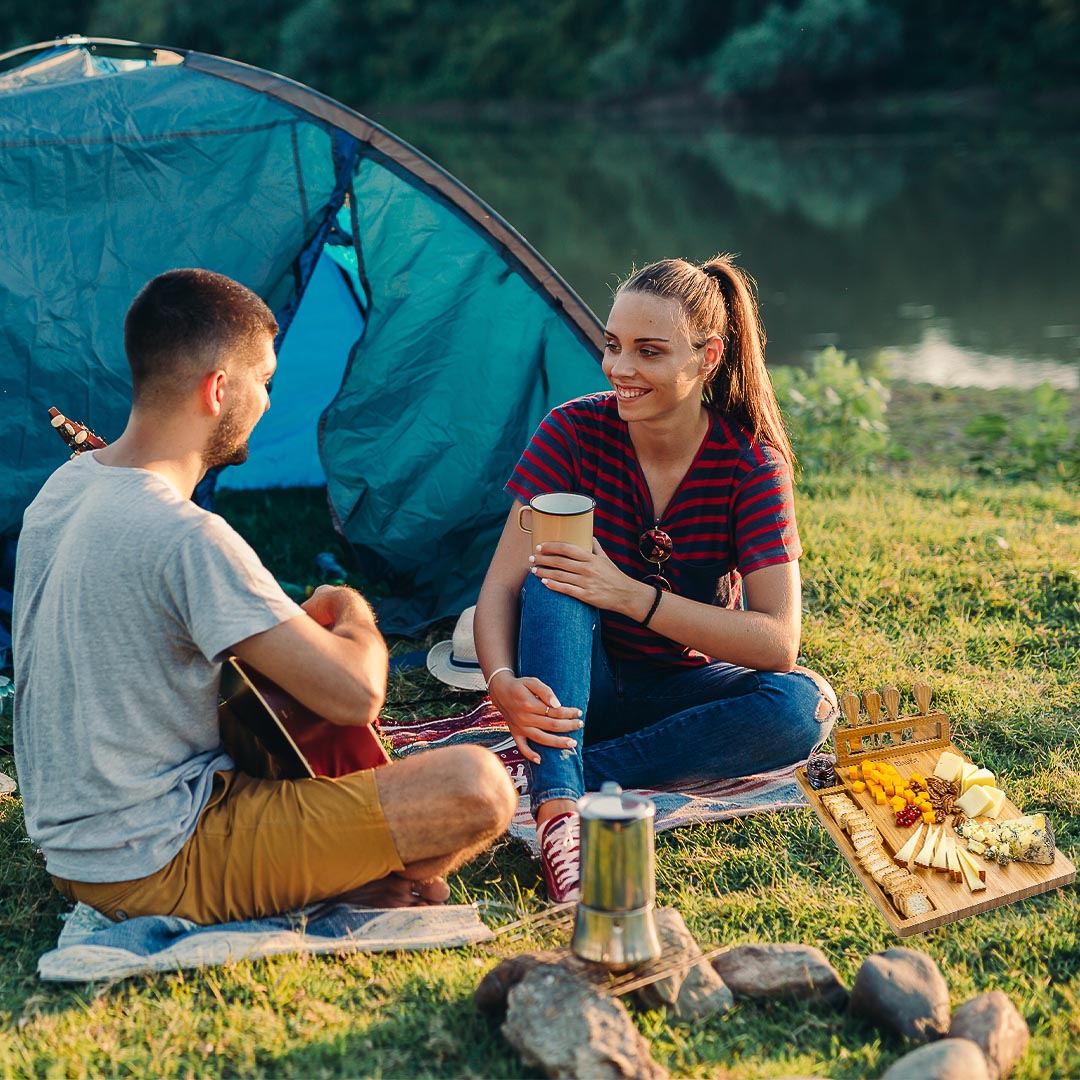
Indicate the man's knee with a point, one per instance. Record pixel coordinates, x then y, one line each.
481 787
467 785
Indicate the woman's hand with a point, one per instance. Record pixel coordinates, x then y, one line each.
589 576
533 713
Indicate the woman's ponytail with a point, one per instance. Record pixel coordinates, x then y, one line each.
741 386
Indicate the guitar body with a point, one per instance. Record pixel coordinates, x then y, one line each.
271 735
266 732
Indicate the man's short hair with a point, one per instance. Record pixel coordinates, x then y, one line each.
187 323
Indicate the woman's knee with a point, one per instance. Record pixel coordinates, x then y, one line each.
827 707
803 705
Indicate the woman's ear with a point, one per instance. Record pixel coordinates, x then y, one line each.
714 351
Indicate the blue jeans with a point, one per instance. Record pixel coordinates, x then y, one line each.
651 726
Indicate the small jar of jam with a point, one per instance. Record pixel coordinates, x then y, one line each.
821 772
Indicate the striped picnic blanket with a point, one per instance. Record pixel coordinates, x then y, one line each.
685 804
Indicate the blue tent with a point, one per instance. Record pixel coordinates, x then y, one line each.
422 337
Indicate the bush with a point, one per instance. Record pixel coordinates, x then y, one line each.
1033 446
835 413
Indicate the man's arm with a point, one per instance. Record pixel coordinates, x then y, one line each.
332 659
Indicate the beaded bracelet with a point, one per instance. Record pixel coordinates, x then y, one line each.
655 604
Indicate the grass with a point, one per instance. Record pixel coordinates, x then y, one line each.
924 571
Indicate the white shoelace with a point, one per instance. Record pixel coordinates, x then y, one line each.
562 851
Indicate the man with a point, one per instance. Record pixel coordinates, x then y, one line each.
128 597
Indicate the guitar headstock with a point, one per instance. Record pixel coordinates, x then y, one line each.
77 436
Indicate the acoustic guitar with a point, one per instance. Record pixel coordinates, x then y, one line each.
267 732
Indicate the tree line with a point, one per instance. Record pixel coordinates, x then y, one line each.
776 52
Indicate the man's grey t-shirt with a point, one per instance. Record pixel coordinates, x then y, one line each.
127 599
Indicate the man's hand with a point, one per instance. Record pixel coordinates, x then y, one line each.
331 659
338 605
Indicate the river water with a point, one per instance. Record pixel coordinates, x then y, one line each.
951 256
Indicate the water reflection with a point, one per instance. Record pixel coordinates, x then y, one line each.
956 255
936 360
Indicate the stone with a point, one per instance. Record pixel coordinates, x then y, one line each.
558 1022
765 971
694 993
490 995
903 991
993 1022
946 1059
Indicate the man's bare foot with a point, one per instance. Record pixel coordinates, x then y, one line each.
394 890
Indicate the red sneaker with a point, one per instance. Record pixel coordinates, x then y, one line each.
514 763
560 856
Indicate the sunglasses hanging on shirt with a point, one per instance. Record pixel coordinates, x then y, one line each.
655 546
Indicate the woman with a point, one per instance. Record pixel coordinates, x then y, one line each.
667 652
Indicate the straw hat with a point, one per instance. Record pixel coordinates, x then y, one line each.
454 662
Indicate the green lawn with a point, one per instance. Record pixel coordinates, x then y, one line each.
922 571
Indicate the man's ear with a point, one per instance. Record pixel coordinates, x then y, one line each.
212 391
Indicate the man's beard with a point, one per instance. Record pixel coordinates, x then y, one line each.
227 446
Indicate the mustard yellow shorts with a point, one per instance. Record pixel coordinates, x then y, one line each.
261 847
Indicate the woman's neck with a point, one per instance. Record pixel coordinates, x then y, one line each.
669 441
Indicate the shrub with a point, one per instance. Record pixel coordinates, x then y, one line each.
1032 446
835 412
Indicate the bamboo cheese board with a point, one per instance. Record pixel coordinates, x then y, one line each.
914 744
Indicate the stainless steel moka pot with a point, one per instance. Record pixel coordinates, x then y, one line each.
614 924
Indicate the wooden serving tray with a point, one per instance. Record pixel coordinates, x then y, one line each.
914 744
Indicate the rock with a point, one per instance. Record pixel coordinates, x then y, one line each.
561 1024
694 993
764 971
902 990
490 994
947 1059
993 1022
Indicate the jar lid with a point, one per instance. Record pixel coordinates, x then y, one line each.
611 803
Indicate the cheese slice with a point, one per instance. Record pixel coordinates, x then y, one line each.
967 770
951 858
997 797
926 852
907 852
970 869
940 861
949 766
981 776
975 801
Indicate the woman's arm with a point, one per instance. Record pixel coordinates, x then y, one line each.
530 708
764 637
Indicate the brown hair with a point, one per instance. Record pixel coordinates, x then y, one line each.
717 299
186 323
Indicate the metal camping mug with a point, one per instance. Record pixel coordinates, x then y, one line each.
559 517
614 925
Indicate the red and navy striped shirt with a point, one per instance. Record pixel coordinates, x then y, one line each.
733 510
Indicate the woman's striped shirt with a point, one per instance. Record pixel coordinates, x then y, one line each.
733 511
